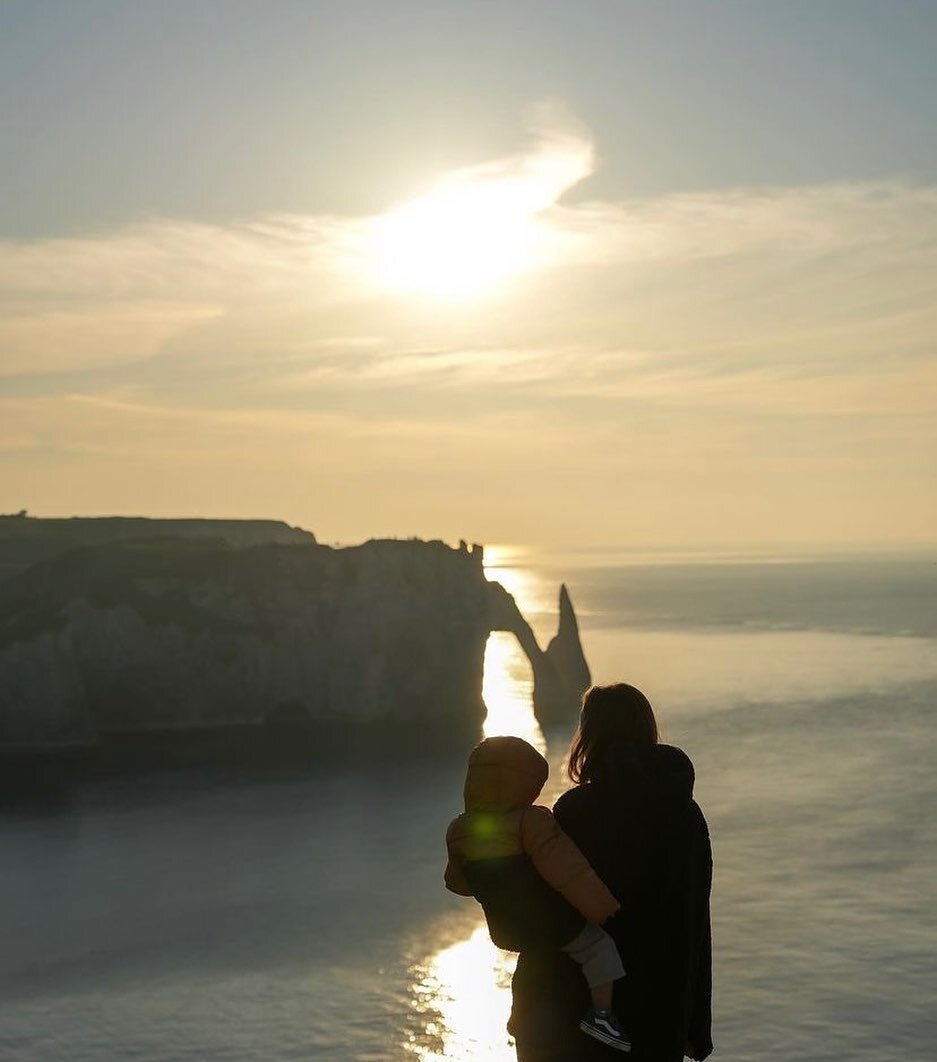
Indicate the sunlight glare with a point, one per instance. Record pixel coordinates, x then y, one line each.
456 242
508 691
517 569
463 998
479 227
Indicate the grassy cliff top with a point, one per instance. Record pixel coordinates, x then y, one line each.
26 540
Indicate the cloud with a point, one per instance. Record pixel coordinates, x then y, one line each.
62 340
713 335
826 279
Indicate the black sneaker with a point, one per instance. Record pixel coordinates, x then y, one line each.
603 1025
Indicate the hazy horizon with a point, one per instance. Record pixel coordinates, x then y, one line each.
496 552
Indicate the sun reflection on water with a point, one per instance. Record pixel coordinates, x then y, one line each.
462 997
513 568
508 691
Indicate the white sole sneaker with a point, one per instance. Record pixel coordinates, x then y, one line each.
604 1037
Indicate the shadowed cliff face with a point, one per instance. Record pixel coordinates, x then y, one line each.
160 634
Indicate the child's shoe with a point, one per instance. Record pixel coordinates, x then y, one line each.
603 1025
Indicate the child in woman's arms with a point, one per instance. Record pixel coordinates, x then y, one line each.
537 889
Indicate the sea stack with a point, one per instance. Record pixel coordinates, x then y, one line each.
567 658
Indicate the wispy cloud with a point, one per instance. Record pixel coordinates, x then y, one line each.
642 334
830 277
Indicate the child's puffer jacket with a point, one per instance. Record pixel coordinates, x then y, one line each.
504 777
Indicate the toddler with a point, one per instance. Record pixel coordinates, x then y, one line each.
537 889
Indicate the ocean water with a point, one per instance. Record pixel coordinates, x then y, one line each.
197 916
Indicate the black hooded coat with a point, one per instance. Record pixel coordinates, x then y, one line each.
639 827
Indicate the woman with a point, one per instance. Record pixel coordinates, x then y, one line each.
633 815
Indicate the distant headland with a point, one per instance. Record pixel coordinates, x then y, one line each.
119 632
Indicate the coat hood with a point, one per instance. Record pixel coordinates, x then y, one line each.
658 775
504 773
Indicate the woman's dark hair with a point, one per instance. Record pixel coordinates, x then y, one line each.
610 715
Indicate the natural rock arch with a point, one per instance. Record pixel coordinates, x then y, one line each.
561 674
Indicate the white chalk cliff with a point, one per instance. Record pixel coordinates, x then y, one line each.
162 634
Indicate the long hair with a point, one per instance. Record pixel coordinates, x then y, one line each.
611 715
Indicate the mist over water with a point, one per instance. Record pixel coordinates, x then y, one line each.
185 916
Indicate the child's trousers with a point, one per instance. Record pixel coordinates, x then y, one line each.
597 954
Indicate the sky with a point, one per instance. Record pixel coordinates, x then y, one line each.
604 273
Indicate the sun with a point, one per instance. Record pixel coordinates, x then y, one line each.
481 227
464 240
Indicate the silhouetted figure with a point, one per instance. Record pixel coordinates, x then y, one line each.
535 886
633 816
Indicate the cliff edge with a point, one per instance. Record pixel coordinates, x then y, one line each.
26 540
160 635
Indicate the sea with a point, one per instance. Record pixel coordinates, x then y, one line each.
301 915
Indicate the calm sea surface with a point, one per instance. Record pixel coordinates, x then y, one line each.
198 917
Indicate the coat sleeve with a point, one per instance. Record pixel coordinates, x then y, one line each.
455 876
700 1028
561 865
